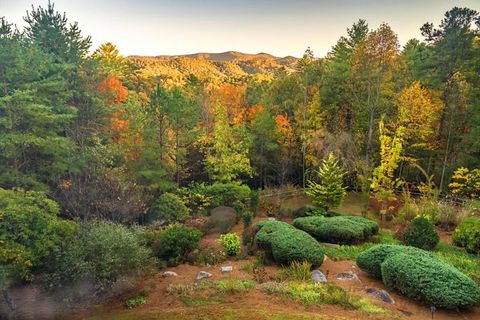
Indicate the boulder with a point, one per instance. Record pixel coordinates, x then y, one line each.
318 277
202 275
222 219
167 274
349 275
380 294
226 269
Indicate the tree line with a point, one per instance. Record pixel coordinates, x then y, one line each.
103 139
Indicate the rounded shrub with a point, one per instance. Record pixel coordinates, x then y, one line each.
287 244
168 208
418 274
340 229
100 253
230 243
371 259
175 242
421 234
467 235
429 280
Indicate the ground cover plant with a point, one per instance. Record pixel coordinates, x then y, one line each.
287 244
340 229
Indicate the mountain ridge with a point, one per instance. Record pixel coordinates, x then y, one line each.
216 67
230 55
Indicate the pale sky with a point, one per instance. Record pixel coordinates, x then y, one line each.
279 27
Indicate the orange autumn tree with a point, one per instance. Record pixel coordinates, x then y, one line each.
115 94
286 139
232 98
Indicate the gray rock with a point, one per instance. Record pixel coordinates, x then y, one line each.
380 294
349 275
167 274
318 276
226 269
202 275
271 219
405 312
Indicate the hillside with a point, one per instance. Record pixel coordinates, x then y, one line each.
214 66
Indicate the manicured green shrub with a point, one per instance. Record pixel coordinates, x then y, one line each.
230 243
420 275
168 208
371 259
340 229
30 232
429 280
175 243
421 234
287 244
101 252
467 235
313 211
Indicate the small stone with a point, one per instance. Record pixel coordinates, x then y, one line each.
271 219
318 277
167 274
226 269
349 275
202 275
380 294
405 312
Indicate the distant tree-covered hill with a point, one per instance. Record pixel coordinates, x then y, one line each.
230 65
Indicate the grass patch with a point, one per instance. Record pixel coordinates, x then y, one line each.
351 252
189 294
311 293
233 285
195 301
299 271
135 301
467 263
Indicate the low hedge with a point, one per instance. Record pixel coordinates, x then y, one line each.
430 281
287 244
418 274
340 229
467 235
371 259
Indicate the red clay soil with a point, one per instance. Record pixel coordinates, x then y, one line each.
254 304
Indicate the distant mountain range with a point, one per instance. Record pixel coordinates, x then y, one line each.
214 66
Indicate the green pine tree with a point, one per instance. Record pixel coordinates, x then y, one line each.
329 193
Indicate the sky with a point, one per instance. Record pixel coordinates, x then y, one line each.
278 27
